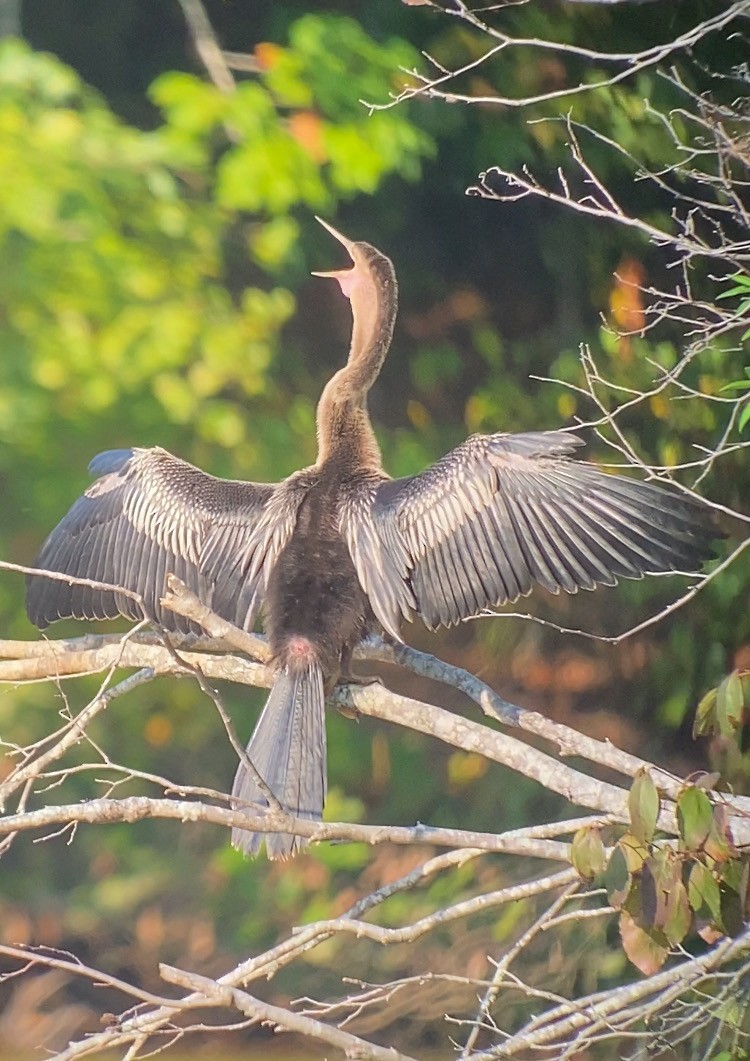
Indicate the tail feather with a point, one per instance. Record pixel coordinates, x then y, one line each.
288 749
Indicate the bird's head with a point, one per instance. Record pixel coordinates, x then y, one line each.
369 276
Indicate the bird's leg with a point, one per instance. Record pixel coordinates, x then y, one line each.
346 677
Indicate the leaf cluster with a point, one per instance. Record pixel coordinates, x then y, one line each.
723 710
668 892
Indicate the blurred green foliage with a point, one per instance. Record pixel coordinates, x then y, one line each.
155 291
125 320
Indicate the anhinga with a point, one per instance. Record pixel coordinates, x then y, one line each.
339 549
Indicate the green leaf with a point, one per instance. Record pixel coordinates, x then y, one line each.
730 705
742 285
705 715
643 803
634 851
617 879
703 894
737 385
694 817
735 875
647 914
719 844
660 876
733 292
677 915
587 853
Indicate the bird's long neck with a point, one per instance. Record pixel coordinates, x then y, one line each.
344 429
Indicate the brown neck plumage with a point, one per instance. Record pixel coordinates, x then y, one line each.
344 429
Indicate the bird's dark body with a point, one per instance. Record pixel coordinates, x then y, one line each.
316 612
339 548
313 592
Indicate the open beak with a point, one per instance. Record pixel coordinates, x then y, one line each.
345 277
338 274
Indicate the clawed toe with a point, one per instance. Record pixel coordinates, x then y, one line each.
359 679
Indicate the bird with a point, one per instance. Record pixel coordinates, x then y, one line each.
340 550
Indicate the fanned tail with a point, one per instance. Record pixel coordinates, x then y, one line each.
288 749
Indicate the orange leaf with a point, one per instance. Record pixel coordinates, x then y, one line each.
268 54
307 130
626 297
645 949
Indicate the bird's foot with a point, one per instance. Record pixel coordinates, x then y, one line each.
359 679
362 680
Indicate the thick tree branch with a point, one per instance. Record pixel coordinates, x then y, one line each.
376 701
137 808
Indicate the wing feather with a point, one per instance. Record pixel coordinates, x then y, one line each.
147 515
501 513
508 560
586 548
565 571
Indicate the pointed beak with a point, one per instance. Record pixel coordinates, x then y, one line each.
347 278
348 243
336 274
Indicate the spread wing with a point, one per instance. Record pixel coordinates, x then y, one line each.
501 513
149 514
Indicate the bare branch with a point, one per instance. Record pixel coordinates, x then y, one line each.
630 63
223 995
206 44
587 1016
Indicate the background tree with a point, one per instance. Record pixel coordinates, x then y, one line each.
160 243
